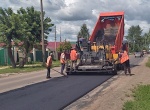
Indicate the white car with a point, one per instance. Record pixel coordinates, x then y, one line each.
138 54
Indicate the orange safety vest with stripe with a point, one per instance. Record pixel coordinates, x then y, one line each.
124 57
49 61
73 55
62 58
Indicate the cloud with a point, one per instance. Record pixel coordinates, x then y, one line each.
53 5
143 24
71 14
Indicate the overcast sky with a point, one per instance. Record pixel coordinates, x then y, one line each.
69 15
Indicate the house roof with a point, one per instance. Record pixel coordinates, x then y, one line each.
51 45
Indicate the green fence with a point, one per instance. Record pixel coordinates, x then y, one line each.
4 60
39 55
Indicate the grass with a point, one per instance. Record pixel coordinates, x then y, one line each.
148 62
21 70
27 68
141 99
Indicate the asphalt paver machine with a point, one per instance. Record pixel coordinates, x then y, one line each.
99 53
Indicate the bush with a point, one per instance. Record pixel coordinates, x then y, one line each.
148 62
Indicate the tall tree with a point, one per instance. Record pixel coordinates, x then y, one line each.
32 28
10 28
84 32
146 39
25 26
135 37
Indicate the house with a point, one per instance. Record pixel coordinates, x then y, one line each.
35 54
51 45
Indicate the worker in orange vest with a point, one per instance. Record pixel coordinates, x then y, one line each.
73 58
63 61
124 60
49 64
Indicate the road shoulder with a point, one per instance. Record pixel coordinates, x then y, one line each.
112 94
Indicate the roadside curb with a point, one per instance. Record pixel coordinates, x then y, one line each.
9 74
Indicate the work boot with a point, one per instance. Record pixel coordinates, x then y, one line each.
125 71
129 70
64 74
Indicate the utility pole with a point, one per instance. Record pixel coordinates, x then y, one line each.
60 34
145 41
42 33
55 44
133 43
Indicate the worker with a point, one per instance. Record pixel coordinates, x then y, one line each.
73 58
80 48
49 64
124 60
63 61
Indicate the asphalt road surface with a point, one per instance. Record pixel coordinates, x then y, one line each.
53 94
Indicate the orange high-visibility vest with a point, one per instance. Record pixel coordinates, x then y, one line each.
124 57
62 58
73 55
49 61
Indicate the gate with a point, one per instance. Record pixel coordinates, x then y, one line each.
4 60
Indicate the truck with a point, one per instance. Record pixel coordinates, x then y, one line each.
100 52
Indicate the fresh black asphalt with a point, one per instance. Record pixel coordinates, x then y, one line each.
53 94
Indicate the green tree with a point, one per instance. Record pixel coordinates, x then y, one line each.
146 39
32 28
10 28
84 32
135 37
25 27
66 45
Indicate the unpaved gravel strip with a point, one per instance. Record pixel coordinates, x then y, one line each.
113 93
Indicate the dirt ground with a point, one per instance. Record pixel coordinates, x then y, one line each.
112 94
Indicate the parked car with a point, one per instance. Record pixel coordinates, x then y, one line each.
138 54
144 51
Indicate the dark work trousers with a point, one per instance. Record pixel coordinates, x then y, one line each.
81 53
48 71
62 67
126 66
